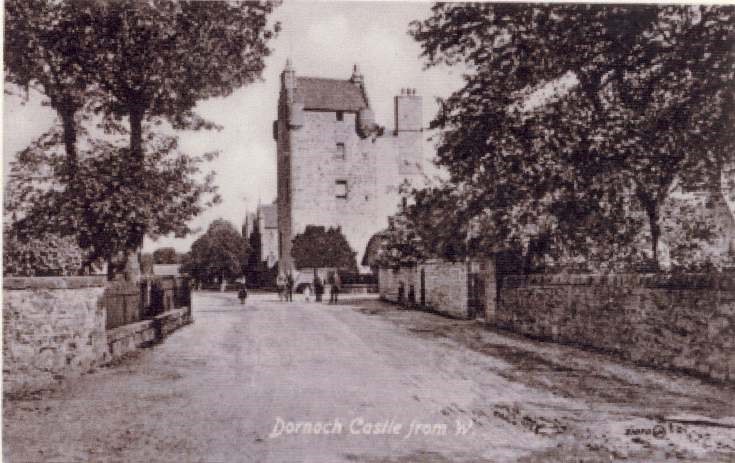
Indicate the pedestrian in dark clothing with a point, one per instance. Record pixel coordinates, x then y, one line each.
289 287
334 289
330 283
318 288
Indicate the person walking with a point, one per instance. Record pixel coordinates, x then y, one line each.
318 288
281 286
289 287
337 286
330 284
242 293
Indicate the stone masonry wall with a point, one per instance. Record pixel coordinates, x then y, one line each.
55 327
51 327
389 281
674 322
370 169
446 287
445 290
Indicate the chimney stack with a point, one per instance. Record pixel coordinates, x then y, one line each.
408 111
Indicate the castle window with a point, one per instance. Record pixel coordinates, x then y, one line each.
341 189
340 151
340 115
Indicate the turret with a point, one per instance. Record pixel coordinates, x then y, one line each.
366 122
294 101
288 76
365 117
357 77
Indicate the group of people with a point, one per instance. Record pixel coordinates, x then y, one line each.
285 285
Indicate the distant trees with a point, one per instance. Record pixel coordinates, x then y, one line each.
164 256
575 121
141 61
220 254
319 247
255 269
146 263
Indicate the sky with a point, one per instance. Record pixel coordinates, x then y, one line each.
323 39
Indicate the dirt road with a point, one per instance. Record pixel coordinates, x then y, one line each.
363 381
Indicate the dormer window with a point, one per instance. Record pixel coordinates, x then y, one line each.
340 115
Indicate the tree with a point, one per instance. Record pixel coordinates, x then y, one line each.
169 195
146 263
642 99
47 48
144 61
48 255
218 255
255 267
164 256
159 58
319 247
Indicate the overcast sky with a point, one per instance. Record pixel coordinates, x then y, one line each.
323 39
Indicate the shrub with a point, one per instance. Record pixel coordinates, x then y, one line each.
49 255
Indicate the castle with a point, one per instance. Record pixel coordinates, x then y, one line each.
266 219
336 166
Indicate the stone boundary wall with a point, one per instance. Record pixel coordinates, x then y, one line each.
55 327
682 322
52 326
389 281
129 338
446 287
54 282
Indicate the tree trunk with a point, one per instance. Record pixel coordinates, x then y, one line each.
110 269
136 140
134 168
652 211
70 142
651 206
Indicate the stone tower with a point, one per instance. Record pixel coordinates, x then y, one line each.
336 166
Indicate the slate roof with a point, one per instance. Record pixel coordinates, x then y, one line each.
330 94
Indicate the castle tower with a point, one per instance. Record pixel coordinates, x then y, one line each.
336 166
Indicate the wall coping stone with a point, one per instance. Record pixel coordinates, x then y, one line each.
126 330
173 313
19 283
722 282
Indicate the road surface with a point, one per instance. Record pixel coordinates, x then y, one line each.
365 382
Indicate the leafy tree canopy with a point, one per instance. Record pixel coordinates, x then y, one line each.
320 247
220 253
146 264
575 121
164 256
145 61
107 215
